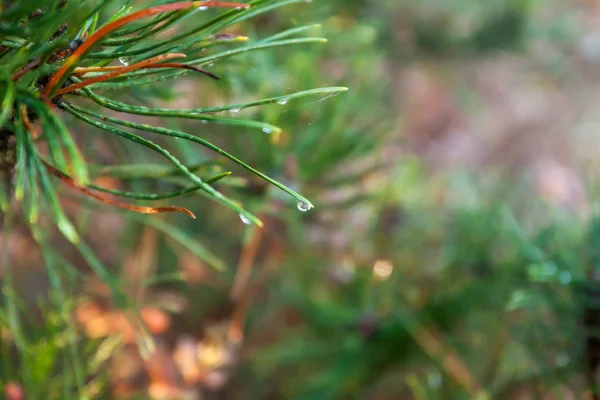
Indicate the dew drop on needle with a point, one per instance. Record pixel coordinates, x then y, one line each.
302 206
125 60
245 219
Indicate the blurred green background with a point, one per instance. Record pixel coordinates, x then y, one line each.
453 249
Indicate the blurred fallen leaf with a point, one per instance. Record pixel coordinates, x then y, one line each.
157 320
13 391
164 391
186 358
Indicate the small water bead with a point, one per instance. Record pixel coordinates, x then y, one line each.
562 359
303 207
435 379
74 44
267 129
245 219
125 60
283 102
203 8
236 110
564 277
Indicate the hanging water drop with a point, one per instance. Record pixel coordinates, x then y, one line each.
245 219
562 359
74 44
267 129
303 207
203 8
283 102
564 277
125 60
236 110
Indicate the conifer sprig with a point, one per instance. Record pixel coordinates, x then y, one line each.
55 58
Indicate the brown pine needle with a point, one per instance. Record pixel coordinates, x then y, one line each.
110 27
71 182
121 71
245 264
85 70
35 133
28 67
185 66
140 209
239 291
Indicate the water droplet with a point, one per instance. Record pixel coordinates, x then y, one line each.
74 44
435 378
550 268
211 64
125 60
203 8
564 277
283 102
304 207
239 8
245 219
562 359
204 121
236 110
267 129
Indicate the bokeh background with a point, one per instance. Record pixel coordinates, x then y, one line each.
453 249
